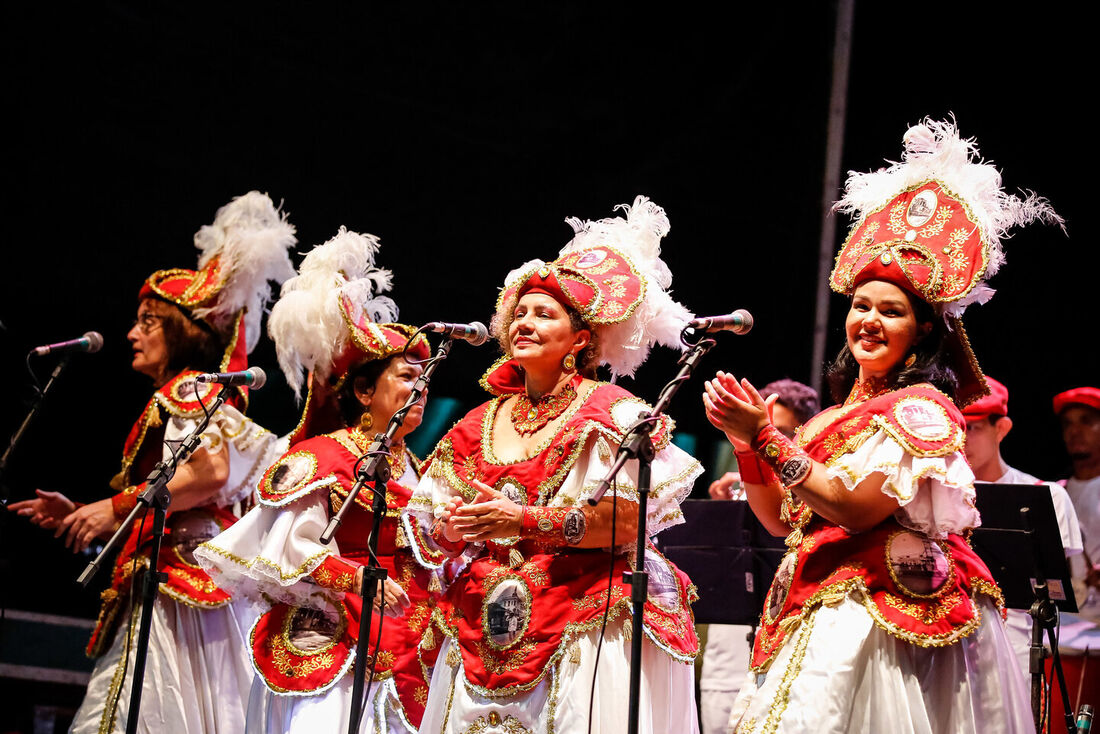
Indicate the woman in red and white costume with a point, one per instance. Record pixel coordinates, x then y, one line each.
331 321
881 618
507 487
188 322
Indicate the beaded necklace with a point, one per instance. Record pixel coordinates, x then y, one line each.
529 416
872 387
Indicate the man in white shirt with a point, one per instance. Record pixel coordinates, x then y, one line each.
1078 410
987 424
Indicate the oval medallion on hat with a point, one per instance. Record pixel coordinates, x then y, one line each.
590 259
921 208
919 565
506 611
923 418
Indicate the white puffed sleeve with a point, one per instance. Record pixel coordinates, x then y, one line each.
271 551
935 493
251 449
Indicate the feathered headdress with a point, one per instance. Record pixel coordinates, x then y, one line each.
612 274
243 250
933 224
332 317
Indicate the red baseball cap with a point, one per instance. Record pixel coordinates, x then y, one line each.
1089 396
995 403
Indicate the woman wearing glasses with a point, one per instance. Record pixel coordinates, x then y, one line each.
188 322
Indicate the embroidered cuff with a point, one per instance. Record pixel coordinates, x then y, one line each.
125 501
790 463
337 573
554 525
752 470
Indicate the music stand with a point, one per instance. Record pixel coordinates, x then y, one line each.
728 555
1021 544
1000 543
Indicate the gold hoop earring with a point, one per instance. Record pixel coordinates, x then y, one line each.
366 420
569 362
910 360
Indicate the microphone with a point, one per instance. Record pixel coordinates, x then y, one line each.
91 342
474 332
739 322
252 377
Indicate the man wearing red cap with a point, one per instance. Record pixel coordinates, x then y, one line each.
1078 410
987 424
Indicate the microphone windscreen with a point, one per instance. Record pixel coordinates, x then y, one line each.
482 334
95 341
259 378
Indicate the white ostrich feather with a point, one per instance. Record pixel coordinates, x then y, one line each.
307 324
934 150
658 318
252 238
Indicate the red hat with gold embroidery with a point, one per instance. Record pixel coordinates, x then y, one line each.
245 248
330 319
932 224
612 275
995 403
1088 396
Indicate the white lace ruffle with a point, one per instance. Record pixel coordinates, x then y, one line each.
252 449
272 551
936 494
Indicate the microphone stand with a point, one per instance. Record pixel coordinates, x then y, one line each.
31 414
373 468
1044 616
639 445
157 497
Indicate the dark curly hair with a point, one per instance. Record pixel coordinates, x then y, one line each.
365 375
930 365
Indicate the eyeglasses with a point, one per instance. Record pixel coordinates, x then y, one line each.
147 322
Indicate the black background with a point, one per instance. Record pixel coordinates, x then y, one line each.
462 135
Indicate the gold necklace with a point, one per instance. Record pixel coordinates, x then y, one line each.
872 387
529 416
398 459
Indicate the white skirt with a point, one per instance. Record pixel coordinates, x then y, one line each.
559 703
197 673
840 673
271 713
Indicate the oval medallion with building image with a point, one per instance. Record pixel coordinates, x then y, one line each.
506 612
919 565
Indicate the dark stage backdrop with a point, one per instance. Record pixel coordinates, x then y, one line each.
462 135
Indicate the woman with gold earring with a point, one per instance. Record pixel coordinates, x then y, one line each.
508 487
331 322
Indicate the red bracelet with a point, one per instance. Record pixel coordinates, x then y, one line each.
752 470
791 464
124 502
553 525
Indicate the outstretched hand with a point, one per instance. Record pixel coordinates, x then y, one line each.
87 523
736 409
46 510
490 515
